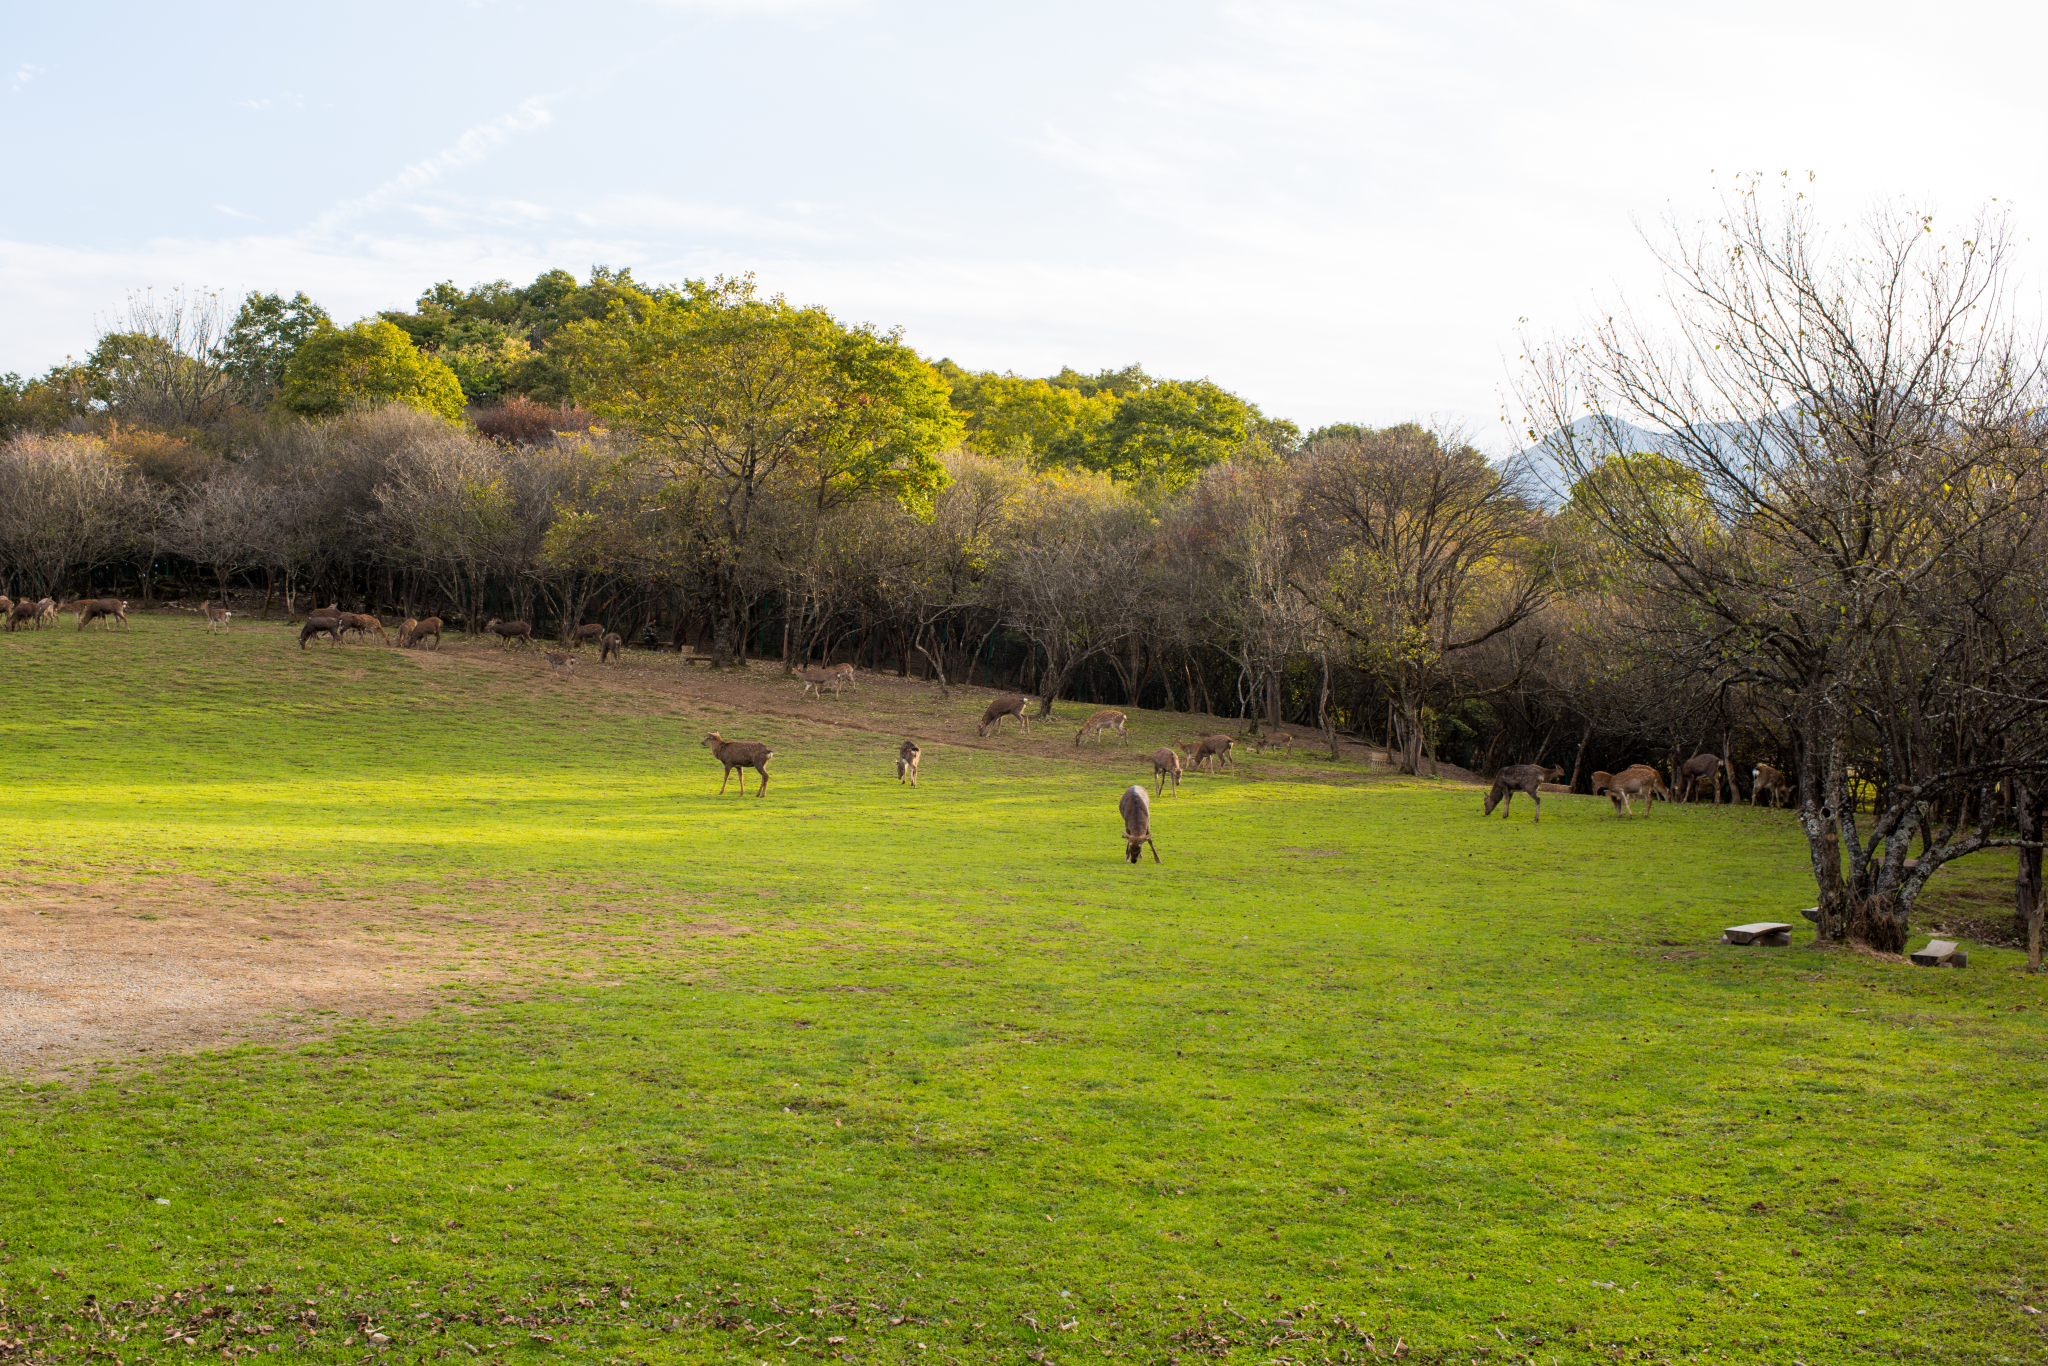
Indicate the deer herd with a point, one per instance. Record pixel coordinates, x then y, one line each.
1209 753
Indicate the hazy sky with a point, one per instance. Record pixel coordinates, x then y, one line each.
1340 211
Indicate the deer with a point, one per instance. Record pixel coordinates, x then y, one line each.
417 629
217 616
1702 766
1009 704
1165 765
20 615
362 623
1639 781
108 610
906 762
1213 747
1764 778
846 676
1136 809
584 634
814 681
46 610
507 631
6 605
1098 723
738 756
1515 778
1278 739
612 644
561 661
320 623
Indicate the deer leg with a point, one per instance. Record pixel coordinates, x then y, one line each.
727 779
763 771
1153 847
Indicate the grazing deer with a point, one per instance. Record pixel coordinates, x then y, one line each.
362 623
1639 781
320 623
1166 765
584 634
108 610
1515 778
20 615
1764 778
46 610
6 605
906 762
1278 739
509 631
738 756
612 644
1098 723
1600 781
815 680
561 661
1210 754
416 630
1009 704
217 616
846 677
1136 809
1704 766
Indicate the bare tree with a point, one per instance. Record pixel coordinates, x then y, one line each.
1072 575
167 366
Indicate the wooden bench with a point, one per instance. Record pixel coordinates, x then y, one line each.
1939 951
1769 934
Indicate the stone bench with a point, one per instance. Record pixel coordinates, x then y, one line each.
1939 951
1770 934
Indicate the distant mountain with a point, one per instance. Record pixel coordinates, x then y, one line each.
1605 435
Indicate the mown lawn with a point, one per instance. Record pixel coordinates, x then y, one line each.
862 1072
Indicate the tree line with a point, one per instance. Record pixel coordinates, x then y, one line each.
1795 520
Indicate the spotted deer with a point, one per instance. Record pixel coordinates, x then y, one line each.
1104 720
217 615
561 661
1166 766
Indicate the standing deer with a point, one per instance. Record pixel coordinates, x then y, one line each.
815 680
1515 778
611 645
507 631
416 630
584 634
1166 765
1009 704
1210 754
109 610
906 762
1638 781
46 610
1098 723
20 615
1136 809
561 661
738 756
1704 766
1278 739
846 677
1764 778
362 623
217 616
320 623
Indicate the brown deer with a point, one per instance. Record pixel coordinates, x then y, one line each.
1515 778
362 623
612 644
561 661
1009 704
6 605
815 681
1166 765
46 610
1098 723
507 631
738 756
584 634
1600 781
846 676
906 762
418 629
1278 739
1703 767
1638 781
320 623
108 610
1210 754
20 615
1764 778
217 616
1136 809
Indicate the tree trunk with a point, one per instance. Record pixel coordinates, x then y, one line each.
1579 759
938 666
1329 722
1822 845
2027 886
724 616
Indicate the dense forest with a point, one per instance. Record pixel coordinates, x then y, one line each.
1795 522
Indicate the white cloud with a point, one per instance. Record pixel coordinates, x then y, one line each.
236 213
474 145
24 75
289 99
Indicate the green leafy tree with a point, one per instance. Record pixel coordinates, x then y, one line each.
267 332
370 362
1167 433
742 403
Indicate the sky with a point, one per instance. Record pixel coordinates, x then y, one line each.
1342 212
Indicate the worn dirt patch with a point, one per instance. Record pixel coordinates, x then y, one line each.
148 965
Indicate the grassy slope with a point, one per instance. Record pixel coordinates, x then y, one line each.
1351 1053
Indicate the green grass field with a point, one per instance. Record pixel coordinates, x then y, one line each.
866 1073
